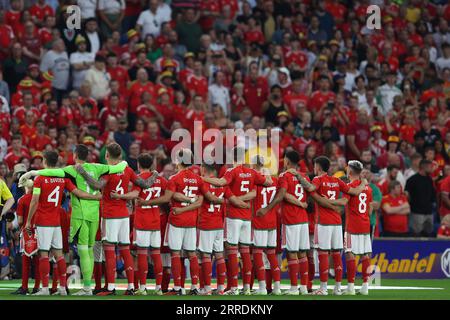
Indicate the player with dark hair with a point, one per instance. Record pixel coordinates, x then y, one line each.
45 203
84 221
292 187
328 233
146 229
116 220
242 181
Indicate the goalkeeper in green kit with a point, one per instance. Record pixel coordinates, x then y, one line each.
85 217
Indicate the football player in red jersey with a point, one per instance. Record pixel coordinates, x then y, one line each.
357 230
23 205
45 203
264 225
146 231
183 189
211 233
328 233
241 180
115 216
291 193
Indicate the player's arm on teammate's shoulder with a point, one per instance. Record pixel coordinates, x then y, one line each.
248 196
87 196
93 183
324 202
293 200
354 191
276 200
54 172
168 194
193 206
179 197
147 183
127 196
218 182
238 203
308 186
116 168
212 198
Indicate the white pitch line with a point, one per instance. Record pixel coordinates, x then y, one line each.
285 287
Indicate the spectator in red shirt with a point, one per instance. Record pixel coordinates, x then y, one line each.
358 136
16 153
256 90
395 208
154 139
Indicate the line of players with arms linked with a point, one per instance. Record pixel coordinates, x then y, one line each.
237 215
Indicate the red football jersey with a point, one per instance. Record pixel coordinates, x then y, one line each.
189 184
329 187
116 208
147 217
290 213
242 180
357 211
212 214
23 207
50 192
264 196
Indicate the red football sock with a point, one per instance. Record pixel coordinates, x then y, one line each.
62 271
142 266
303 270
201 280
293 271
157 266
165 279
55 276
37 274
207 270
246 264
98 266
183 272
26 261
136 278
337 260
311 271
176 269
351 269
323 266
110 263
44 269
233 269
259 264
194 268
268 279
274 267
104 272
229 276
365 261
221 271
128 262
252 275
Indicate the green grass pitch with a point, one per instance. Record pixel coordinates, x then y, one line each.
389 290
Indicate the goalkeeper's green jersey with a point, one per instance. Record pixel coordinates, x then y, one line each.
81 208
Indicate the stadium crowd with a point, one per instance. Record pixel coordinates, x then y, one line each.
311 69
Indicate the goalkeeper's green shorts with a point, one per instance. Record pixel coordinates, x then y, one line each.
85 231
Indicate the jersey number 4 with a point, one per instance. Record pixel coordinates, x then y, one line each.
53 197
